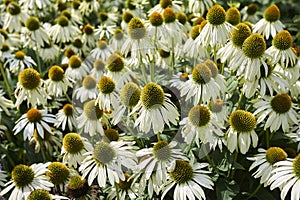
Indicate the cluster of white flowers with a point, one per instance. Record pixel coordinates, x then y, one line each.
133 100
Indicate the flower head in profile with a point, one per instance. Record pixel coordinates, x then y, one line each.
281 50
278 111
102 51
27 178
29 87
163 4
58 174
241 132
92 119
217 30
76 68
41 194
249 13
37 35
130 96
286 176
88 90
233 16
270 25
58 83
106 162
265 161
200 6
19 61
73 148
155 109
34 120
77 187
201 85
189 179
66 117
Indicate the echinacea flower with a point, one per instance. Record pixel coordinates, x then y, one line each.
201 126
241 132
270 25
163 4
217 31
98 69
33 120
37 35
25 179
14 17
249 13
108 97
43 194
189 179
201 86
264 162
279 111
106 161
89 6
2 177
88 90
73 149
18 62
155 109
200 6
30 88
118 39
102 51
58 83
66 117
89 35
77 187
58 174
286 177
76 68
92 119
233 16
130 96
281 50
5 103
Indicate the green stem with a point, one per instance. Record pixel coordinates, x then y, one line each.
5 151
232 171
68 97
268 138
254 192
38 56
142 66
172 58
200 100
215 54
117 191
158 136
239 101
6 81
211 162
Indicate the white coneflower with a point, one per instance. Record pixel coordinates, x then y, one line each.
118 39
34 119
106 161
76 68
5 104
14 17
59 174
108 97
179 79
89 6
252 59
201 85
63 31
102 51
79 46
138 42
37 35
279 110
117 70
2 177
286 176
201 126
219 110
78 187
107 18
35 4
217 31
66 116
92 119
234 47
155 109
126 17
105 31
88 90
241 132
98 69
270 25
249 13
57 84
89 36
189 178
130 96
69 52
75 19
200 6
155 27
219 78
281 49
25 179
192 48
73 149
163 4
233 16
29 87
265 161
18 62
